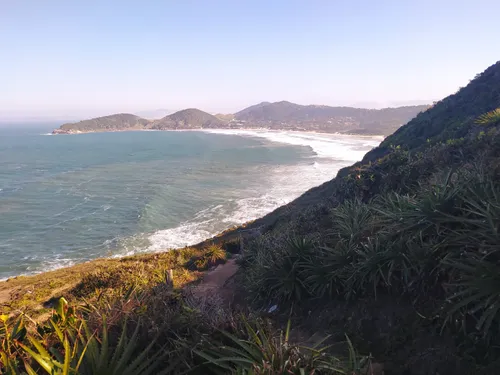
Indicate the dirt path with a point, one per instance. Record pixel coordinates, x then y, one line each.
214 281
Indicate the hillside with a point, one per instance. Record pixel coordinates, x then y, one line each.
390 268
276 116
191 118
122 121
327 119
400 251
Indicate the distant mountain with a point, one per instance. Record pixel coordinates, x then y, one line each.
155 114
191 118
253 108
121 121
276 116
327 119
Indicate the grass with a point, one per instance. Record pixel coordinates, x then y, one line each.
35 294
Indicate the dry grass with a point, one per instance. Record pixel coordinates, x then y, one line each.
34 294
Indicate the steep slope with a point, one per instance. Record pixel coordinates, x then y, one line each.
122 121
327 119
191 118
445 134
250 109
401 250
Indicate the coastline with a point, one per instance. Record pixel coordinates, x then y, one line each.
34 294
213 130
217 236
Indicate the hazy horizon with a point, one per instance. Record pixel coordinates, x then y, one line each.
23 117
77 60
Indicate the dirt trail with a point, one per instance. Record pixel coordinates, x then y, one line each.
214 281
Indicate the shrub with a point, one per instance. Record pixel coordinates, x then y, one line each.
258 349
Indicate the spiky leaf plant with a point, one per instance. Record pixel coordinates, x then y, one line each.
476 293
352 219
283 277
215 253
489 117
262 351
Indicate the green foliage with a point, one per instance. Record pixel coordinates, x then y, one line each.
489 117
283 277
214 254
438 247
258 349
66 345
10 350
352 219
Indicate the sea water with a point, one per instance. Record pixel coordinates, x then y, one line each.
71 198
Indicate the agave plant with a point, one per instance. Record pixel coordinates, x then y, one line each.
85 352
262 351
325 273
489 117
352 219
284 277
67 346
476 292
214 254
10 339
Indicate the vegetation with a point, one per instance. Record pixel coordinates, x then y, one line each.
400 254
327 119
282 115
106 123
191 118
403 244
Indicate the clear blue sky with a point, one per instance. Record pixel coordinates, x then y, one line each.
59 57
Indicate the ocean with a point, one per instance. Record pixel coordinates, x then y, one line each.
71 198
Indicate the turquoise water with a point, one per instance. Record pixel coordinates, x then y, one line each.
68 199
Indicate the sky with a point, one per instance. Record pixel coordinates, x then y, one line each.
85 58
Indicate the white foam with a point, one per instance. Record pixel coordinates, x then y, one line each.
337 146
285 184
46 266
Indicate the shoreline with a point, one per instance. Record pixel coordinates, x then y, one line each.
228 235
225 233
210 130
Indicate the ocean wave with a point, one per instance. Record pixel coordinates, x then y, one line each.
285 184
337 146
267 188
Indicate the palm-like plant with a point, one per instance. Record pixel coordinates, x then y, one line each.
489 117
84 352
476 293
10 339
352 219
284 278
325 273
264 352
66 346
214 254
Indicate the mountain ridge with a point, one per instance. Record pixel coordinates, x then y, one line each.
281 115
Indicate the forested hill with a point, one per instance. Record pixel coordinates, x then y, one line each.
116 122
324 118
275 116
191 118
